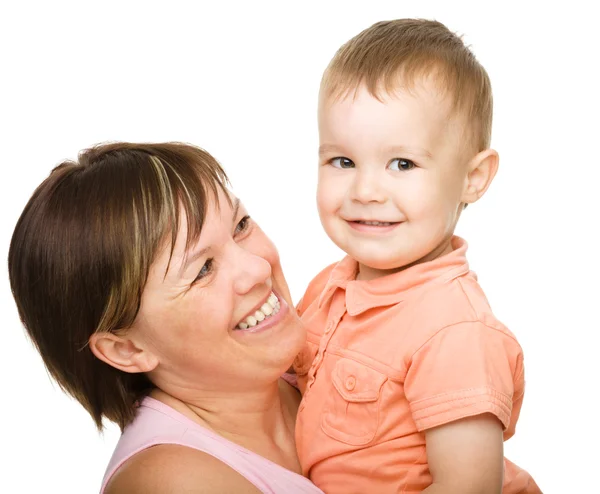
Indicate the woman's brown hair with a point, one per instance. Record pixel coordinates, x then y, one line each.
81 251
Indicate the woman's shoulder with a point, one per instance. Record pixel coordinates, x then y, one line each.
175 468
156 455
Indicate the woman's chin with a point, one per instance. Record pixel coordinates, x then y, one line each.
281 339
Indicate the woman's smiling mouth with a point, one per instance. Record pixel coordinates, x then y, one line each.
258 317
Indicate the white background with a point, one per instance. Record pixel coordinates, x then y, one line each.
241 80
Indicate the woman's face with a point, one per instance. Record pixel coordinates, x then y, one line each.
221 315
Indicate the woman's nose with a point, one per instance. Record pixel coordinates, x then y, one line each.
250 270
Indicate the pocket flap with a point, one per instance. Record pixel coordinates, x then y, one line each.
356 382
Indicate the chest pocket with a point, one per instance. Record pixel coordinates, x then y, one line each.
351 413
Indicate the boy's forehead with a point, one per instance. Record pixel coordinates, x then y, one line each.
422 108
404 106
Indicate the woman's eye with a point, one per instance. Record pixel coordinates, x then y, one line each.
243 225
401 165
206 269
342 163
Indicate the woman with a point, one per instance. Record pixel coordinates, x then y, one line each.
157 303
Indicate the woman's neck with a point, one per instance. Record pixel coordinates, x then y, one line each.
260 419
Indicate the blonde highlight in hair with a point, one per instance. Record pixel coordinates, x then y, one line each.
396 54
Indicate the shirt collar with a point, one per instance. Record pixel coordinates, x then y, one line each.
389 290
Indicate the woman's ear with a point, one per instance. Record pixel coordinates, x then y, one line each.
481 171
122 353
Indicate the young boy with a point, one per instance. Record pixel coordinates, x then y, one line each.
410 383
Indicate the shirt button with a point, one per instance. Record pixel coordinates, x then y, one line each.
350 383
317 359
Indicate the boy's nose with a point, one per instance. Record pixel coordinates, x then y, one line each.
367 187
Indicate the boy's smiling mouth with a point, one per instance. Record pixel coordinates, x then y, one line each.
373 226
375 223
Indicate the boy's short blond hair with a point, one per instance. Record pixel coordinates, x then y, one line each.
406 51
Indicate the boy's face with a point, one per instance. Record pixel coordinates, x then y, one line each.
392 176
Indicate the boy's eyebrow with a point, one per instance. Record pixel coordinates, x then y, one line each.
328 149
405 149
331 149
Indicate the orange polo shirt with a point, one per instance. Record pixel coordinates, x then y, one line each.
389 358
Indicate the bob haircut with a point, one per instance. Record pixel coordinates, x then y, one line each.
82 249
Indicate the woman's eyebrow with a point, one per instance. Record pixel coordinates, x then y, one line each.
191 259
236 208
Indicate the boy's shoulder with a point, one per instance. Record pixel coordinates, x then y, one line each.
455 310
457 301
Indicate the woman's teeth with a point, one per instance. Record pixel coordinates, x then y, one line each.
268 309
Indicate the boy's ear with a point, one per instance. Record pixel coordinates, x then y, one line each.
122 353
481 171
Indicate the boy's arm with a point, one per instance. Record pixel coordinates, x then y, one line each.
466 456
461 385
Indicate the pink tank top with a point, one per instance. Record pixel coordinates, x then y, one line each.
157 423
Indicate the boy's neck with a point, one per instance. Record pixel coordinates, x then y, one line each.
366 273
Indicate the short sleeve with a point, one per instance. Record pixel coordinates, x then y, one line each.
465 370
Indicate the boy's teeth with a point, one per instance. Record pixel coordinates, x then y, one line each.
376 223
269 308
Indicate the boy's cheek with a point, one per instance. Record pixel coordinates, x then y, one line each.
329 194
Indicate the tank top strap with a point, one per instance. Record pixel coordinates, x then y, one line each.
157 423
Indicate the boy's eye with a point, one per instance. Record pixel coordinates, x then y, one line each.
243 225
205 270
400 164
342 162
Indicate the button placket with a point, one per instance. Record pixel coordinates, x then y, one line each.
338 309
336 312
